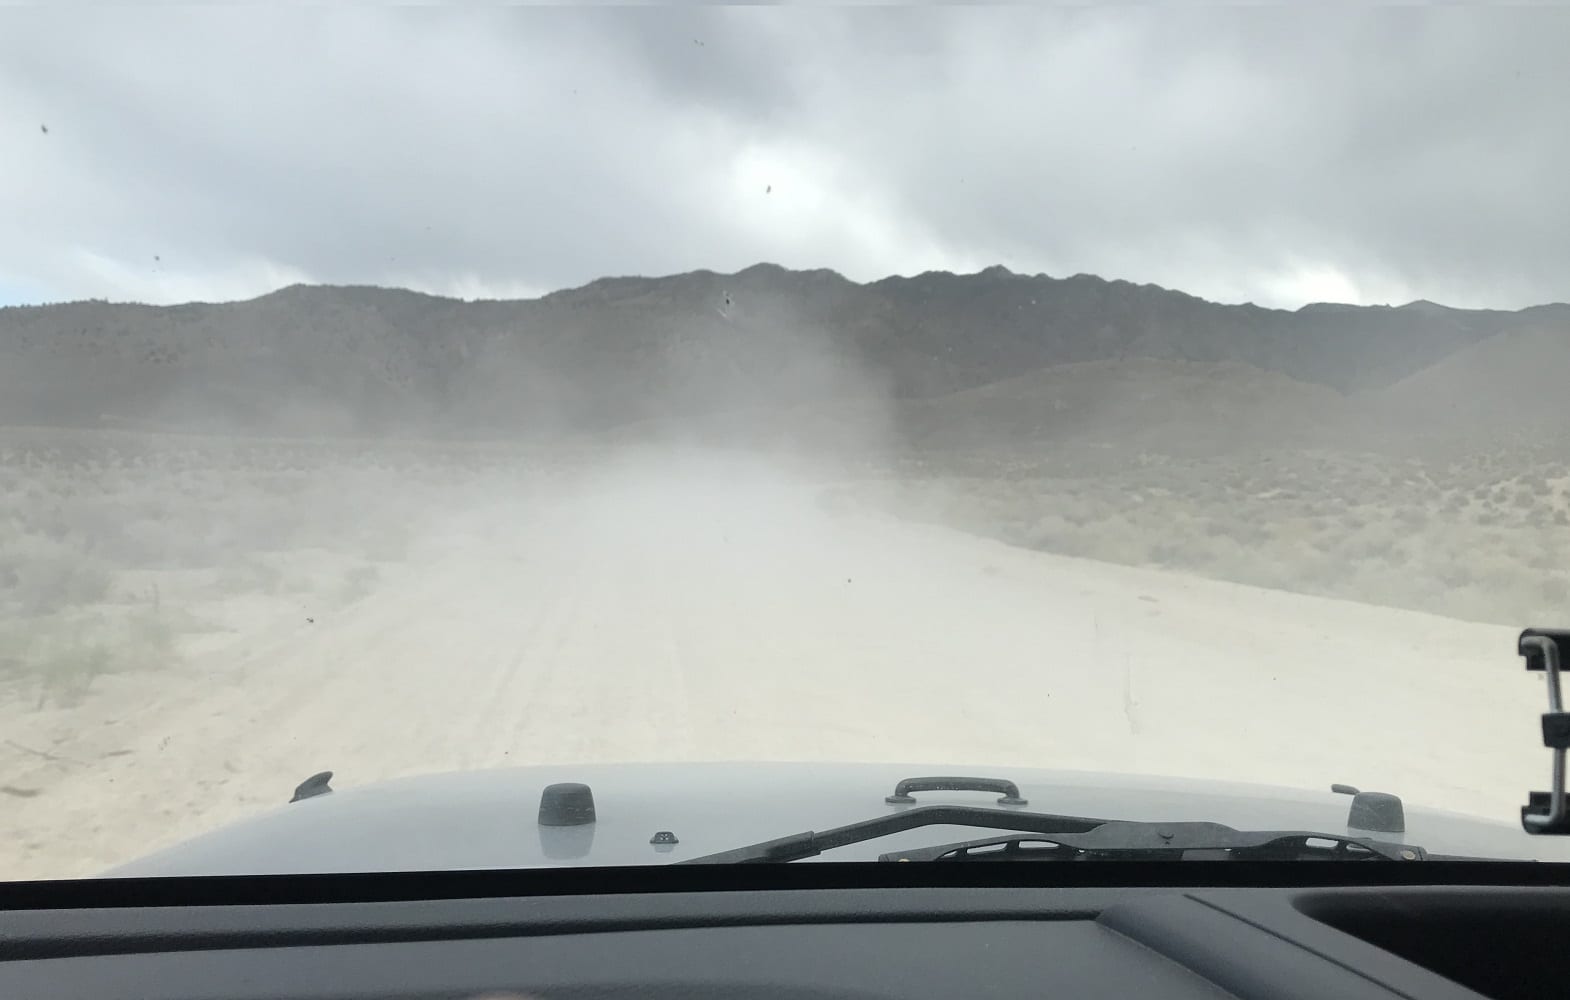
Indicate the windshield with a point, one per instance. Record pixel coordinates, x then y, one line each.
1158 409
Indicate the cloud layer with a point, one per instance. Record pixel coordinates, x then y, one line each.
1279 156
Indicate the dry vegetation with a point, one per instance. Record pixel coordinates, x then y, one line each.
120 552
1479 536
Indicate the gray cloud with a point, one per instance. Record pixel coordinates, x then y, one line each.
1265 154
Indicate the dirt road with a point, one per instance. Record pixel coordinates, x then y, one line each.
790 634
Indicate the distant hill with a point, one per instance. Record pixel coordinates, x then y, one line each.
1173 406
1514 381
623 351
1514 371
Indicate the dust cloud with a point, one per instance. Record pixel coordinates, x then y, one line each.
744 546
180 587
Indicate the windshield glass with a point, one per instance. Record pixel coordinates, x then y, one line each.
1161 410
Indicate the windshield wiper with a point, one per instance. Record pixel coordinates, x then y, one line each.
1125 841
1070 831
811 843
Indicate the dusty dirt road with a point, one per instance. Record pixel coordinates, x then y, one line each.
790 634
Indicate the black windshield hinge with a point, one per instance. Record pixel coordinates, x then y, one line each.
1549 812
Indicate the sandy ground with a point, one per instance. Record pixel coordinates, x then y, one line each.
789 635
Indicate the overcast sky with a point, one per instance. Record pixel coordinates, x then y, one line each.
1266 155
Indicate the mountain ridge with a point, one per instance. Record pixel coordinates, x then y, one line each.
770 267
625 349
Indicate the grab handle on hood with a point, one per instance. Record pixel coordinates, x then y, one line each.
1008 790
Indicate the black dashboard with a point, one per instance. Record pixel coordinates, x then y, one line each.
800 932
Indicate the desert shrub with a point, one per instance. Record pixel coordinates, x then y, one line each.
281 484
1217 527
1454 574
148 642
1535 517
1373 543
1542 557
385 541
158 543
45 576
1249 529
66 669
1382 582
58 654
63 654
248 575
276 526
13 650
1078 518
1314 572
1412 517
1263 572
358 583
1055 533
1555 590
1179 552
1121 540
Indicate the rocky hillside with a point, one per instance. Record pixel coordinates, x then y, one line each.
624 350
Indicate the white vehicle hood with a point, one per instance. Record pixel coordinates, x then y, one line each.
490 819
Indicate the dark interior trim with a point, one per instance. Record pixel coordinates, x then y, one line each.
395 886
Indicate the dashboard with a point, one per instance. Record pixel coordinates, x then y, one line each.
802 933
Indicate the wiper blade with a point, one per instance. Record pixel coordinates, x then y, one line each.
812 843
1082 835
1127 841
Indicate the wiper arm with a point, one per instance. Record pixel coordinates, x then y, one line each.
1081 836
811 843
1127 841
